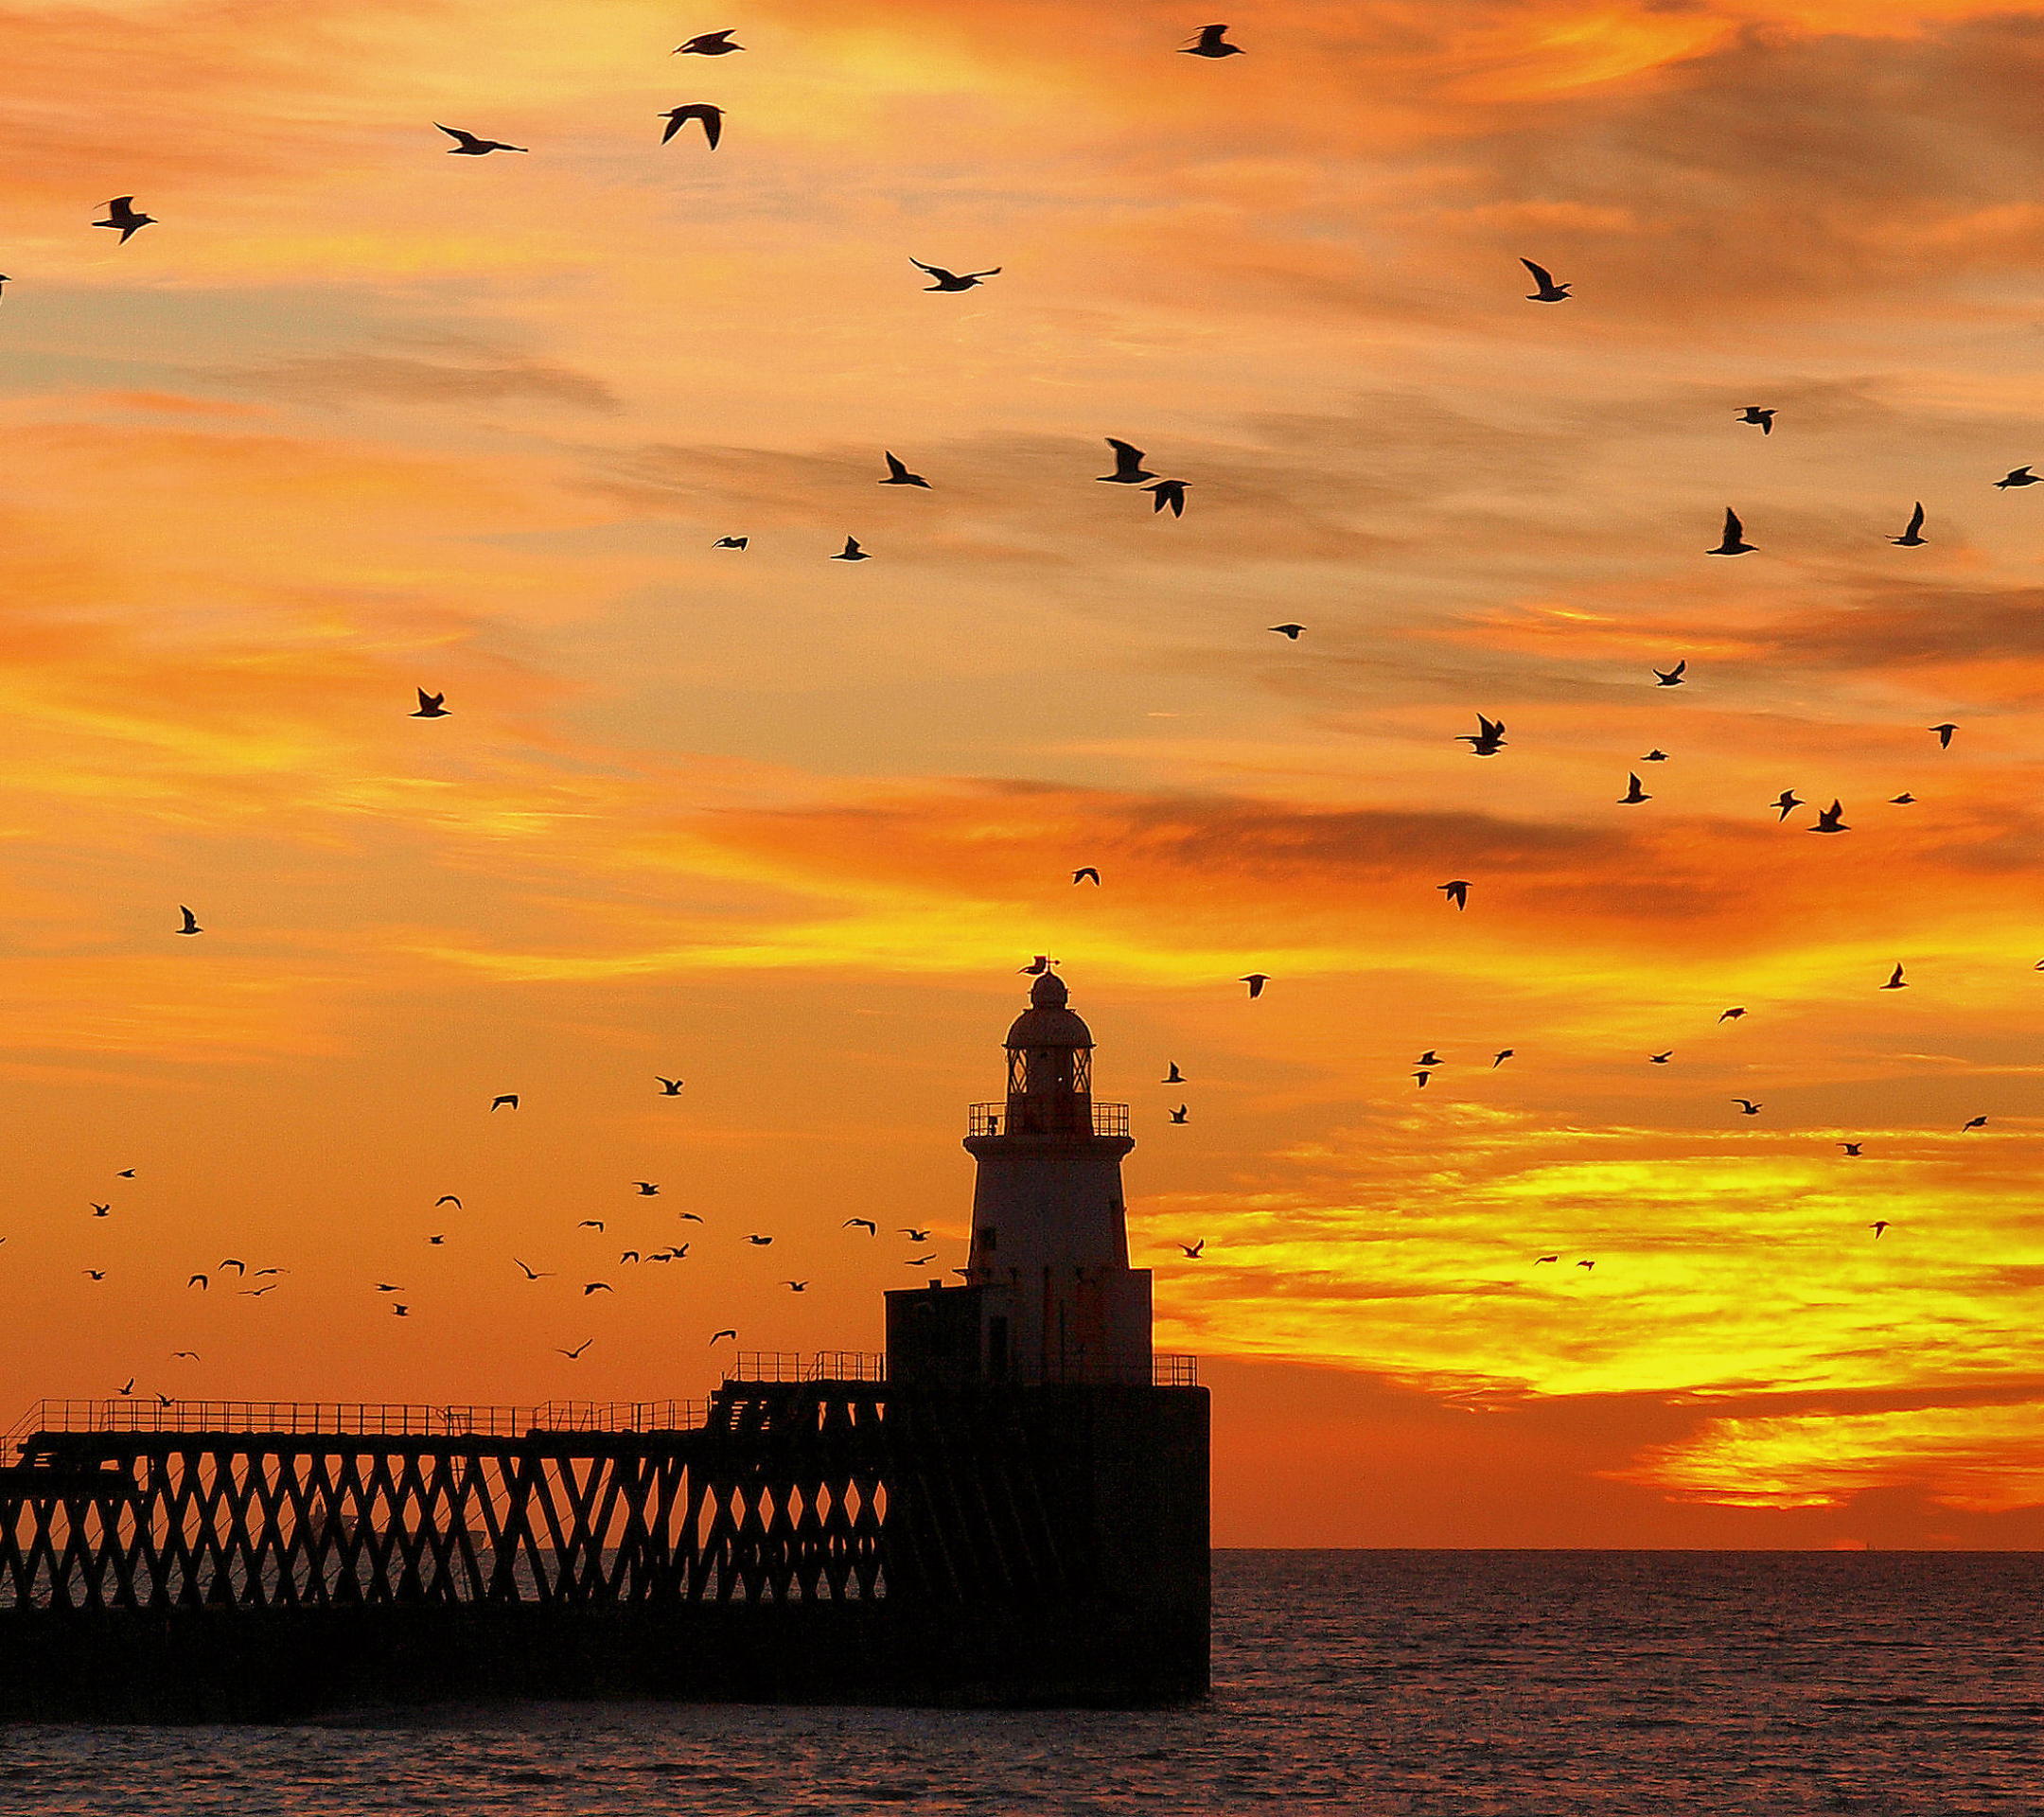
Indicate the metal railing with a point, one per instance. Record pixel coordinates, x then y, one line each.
1174 1369
358 1419
793 1366
990 1120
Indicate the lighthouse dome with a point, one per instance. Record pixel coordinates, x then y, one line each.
1047 1023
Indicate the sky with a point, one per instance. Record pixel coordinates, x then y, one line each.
357 417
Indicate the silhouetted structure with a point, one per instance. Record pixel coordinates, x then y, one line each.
1012 1506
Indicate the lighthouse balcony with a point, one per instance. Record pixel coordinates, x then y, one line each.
997 1119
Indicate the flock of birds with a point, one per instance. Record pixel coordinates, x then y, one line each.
1167 493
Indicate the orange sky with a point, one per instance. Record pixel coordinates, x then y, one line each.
358 417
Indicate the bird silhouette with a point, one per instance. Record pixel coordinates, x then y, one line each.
1255 981
598 1287
385 1287
1634 794
1785 804
1487 740
1978 1123
669 1087
1456 891
430 706
899 475
1129 468
953 280
435 1241
1764 418
1896 983
1877 1226
239 1267
1037 966
1167 492
1194 1249
1421 1078
1661 1058
1549 291
188 1355
707 44
99 1210
402 1311
1943 734
504 1100
534 1273
1428 1059
125 1174
1735 542
919 1262
1586 1265
1747 1106
646 1189
915 1236
447 1198
199 1282
573 1354
121 214
1290 631
1537 1260
1174 1077
867 1225
1655 756
591 1224
467 146
2016 475
191 921
1211 41
1830 820
1178 1115
163 1400
795 1286
1730 1015
712 118
1912 538
1903 800
97 1274
1086 873
759 1242
1503 1054
130 1388
1671 678
1851 1148
731 542
850 551
715 1335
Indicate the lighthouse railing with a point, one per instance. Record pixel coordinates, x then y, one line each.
991 1120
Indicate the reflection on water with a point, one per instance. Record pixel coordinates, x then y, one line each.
1514 1684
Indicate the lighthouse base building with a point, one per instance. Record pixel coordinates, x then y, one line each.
1010 1508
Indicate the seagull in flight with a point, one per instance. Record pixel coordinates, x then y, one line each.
850 551
598 1287
707 44
1634 794
915 1236
731 542
1586 1265
1943 734
669 1087
1167 492
1503 1054
467 146
1914 536
430 706
1735 542
1851 1148
504 1098
1764 418
1661 1058
1830 820
867 1225
646 1189
191 921
1128 466
1211 41
1549 291
1978 1123
99 1273
446 1198
1193 1250
1785 804
1456 891
953 280
402 1311
573 1354
919 1262
1178 1115
1255 981
199 1282
121 214
1731 1016
899 475
795 1286
534 1273
591 1224
1895 983
688 1217
130 1388
1903 800
1671 678
1290 631
712 118
1877 1226
1086 873
1428 1059
731 1334
1174 1077
99 1210
1487 740
1747 1106
1537 1260
2016 475
1655 756
759 1242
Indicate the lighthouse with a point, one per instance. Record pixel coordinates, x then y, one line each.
1049 1295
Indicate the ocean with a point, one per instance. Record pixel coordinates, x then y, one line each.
1510 1682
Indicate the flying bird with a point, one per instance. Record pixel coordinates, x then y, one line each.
646 1189
715 1335
1895 983
1194 1249
1943 734
1487 740
447 1198
598 1287
385 1287
163 1400
712 118
1288 630
1211 41
915 1236
99 1273
1167 492
402 1311
1037 966
1178 1115
1785 804
1851 1148
1978 1123
1830 820
121 214
1549 291
953 280
1255 981
199 1282
1903 800
1586 1265
1671 678
435 1241
920 1261
130 1388
2016 475
467 146
1655 756
1877 1226
795 1286
99 1210
1735 542
1731 1016
669 1087
707 44
125 1174
191 921
1428 1059
1764 418
1421 1078
759 1242
239 1267
1537 1260
867 1225
1174 1077
430 706
731 542
591 1224
1129 468
1747 1106
1086 873
1914 536
899 475
503 1099
1664 1057
190 1355
573 1354
850 551
1503 1054
534 1273
1634 794
688 1217
1456 891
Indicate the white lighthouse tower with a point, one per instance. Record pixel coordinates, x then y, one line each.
1049 1295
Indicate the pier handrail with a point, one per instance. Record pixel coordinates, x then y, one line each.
352 1420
